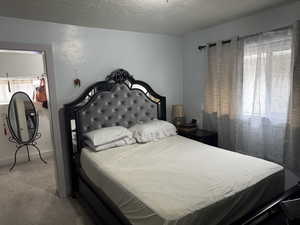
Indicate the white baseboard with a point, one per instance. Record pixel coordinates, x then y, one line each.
22 157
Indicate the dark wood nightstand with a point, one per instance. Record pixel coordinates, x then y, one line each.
207 137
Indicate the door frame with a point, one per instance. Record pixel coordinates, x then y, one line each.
60 170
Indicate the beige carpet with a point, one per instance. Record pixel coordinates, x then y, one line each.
28 197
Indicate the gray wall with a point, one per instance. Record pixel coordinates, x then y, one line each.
194 60
91 53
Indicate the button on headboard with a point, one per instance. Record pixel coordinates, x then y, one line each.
121 106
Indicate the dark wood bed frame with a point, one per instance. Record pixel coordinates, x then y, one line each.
101 208
98 204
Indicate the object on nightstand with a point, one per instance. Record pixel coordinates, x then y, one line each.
177 115
188 127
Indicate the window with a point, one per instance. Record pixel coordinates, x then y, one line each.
9 86
267 75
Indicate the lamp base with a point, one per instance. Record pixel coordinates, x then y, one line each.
178 121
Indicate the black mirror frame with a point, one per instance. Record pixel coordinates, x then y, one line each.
17 139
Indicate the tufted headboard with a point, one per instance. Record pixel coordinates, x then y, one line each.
122 106
120 100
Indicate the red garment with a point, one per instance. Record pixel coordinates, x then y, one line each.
41 95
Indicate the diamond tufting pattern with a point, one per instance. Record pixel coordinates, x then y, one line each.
119 107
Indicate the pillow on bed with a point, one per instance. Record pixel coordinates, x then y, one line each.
118 143
107 135
152 131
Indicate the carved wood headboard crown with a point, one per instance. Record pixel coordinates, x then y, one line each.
119 76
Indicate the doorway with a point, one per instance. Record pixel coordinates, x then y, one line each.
28 197
24 71
60 167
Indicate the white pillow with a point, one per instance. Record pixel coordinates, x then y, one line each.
107 135
152 131
118 143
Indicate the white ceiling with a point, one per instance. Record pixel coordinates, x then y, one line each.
175 17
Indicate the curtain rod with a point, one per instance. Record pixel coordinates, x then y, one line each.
200 47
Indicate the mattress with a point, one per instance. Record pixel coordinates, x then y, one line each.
180 181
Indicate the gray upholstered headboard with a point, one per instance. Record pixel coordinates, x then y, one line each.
119 107
120 100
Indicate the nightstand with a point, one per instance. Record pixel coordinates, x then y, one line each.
207 137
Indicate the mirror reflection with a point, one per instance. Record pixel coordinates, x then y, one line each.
22 118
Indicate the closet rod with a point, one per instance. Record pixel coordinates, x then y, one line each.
200 47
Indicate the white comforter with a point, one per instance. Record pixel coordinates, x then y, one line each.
180 181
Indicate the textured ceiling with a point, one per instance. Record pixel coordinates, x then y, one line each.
175 17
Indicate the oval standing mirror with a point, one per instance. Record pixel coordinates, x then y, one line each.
23 123
22 118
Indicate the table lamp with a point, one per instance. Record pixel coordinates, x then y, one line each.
177 115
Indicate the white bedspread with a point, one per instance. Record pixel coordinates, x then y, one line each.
180 181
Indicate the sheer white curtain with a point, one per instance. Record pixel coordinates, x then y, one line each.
265 95
223 91
292 149
247 94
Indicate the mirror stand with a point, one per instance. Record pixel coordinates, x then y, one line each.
23 124
33 143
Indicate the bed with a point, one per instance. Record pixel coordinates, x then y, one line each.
171 181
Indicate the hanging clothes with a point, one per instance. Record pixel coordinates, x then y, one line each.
41 95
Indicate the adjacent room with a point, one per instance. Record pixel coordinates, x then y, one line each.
24 72
26 142
150 112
